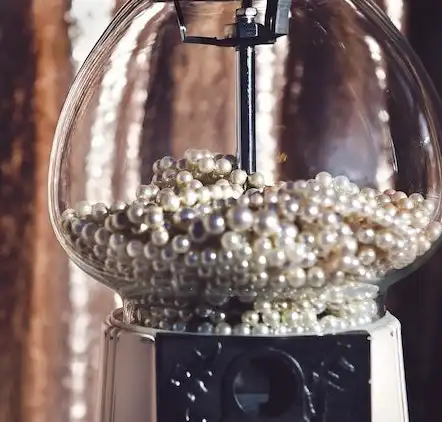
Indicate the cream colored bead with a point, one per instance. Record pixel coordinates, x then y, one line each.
238 177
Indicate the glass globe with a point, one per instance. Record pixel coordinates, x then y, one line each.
249 170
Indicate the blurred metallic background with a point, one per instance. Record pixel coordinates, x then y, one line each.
50 313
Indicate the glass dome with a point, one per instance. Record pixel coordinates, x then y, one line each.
267 169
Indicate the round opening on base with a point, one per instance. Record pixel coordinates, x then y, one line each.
267 385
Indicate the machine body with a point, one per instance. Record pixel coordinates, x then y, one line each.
154 376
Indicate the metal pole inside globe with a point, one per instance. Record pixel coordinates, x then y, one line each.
244 36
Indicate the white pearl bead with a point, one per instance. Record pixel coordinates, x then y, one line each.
238 177
83 209
271 318
170 202
147 192
341 183
231 241
184 177
296 277
242 330
181 244
296 252
316 277
99 211
366 235
433 231
367 256
101 236
250 318
261 305
324 178
262 246
206 165
385 240
134 248
214 223
256 180
240 218
266 222
159 237
261 330
223 329
223 166
188 197
276 258
195 184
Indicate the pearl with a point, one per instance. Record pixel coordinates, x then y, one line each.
348 245
118 206
170 202
385 240
240 219
183 178
261 330
238 177
166 163
367 255
148 192
154 217
223 166
326 239
117 242
276 258
366 235
208 257
256 180
341 183
134 248
296 253
99 211
261 305
271 318
181 244
433 231
184 217
266 223
214 224
262 246
101 236
324 178
310 213
83 209
135 213
316 277
296 277
205 328
250 318
216 191
231 241
223 329
206 165
188 197
204 195
159 237
192 259
88 232
260 280
242 330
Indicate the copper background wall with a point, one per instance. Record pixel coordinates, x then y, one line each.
50 314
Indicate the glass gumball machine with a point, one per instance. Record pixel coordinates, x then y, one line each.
287 171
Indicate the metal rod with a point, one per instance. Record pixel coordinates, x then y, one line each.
246 108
